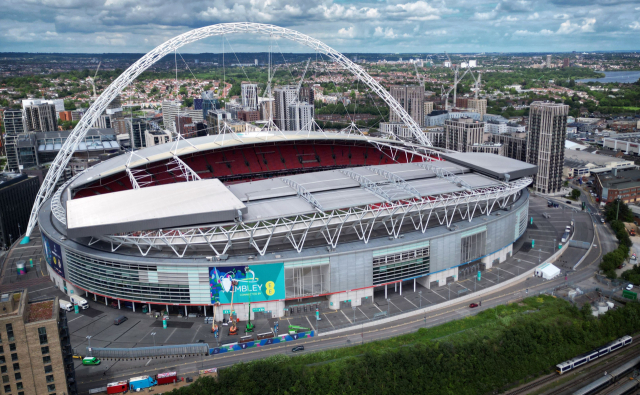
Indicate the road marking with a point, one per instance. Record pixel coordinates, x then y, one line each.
439 295
325 316
505 271
309 321
76 318
395 305
194 335
147 362
345 316
167 339
410 302
363 313
377 307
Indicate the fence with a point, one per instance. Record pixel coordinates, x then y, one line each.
150 352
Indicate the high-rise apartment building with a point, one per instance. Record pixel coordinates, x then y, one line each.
301 116
411 98
170 109
545 146
462 133
41 117
428 108
565 63
266 107
249 94
479 106
284 97
13 125
37 357
13 122
514 144
548 60
17 194
307 94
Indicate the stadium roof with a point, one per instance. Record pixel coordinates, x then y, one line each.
154 207
493 165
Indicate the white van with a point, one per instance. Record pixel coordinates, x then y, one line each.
81 302
65 305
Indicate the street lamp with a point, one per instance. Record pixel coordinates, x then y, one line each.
354 313
153 334
388 307
420 293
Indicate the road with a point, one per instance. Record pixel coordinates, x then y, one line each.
92 377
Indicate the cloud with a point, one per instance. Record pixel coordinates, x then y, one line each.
348 33
533 16
543 32
441 32
635 25
567 27
561 16
386 33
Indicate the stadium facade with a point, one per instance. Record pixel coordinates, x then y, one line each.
291 217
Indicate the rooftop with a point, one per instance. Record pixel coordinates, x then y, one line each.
577 158
40 311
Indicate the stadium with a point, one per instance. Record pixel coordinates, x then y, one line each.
325 217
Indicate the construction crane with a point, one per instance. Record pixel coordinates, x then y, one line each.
453 88
477 83
448 58
92 81
302 78
267 89
418 76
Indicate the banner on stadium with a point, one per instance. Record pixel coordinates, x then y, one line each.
256 283
53 255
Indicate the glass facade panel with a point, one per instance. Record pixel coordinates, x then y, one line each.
401 265
306 280
473 247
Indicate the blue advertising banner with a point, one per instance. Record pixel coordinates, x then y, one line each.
53 255
256 283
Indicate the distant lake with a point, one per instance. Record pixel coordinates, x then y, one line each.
627 77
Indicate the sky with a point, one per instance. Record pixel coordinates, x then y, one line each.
117 26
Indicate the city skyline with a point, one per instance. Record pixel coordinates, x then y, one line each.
65 26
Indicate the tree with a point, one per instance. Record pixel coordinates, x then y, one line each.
575 194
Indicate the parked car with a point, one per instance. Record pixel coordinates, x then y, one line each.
473 305
629 287
602 220
90 361
568 202
297 348
119 320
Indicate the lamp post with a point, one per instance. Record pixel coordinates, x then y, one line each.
388 307
89 339
354 313
153 335
420 293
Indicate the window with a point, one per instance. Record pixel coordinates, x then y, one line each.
1 349
5 379
50 378
7 388
14 357
45 350
18 376
19 386
2 359
473 246
21 393
3 369
10 333
51 387
12 347
42 332
48 369
46 359
16 366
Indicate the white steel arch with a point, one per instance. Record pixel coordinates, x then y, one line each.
130 74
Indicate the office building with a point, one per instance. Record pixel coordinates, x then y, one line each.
197 104
249 94
462 133
545 146
181 121
38 358
565 63
284 96
462 102
195 115
17 194
479 106
548 60
301 116
209 102
41 117
307 94
248 115
623 185
216 120
411 98
170 109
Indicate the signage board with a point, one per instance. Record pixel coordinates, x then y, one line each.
256 283
258 309
53 255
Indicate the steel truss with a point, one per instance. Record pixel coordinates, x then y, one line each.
130 74
329 224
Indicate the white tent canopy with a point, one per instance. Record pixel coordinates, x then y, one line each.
547 271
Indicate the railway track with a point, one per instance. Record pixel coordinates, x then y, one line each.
630 353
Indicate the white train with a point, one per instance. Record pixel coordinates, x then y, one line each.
591 355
